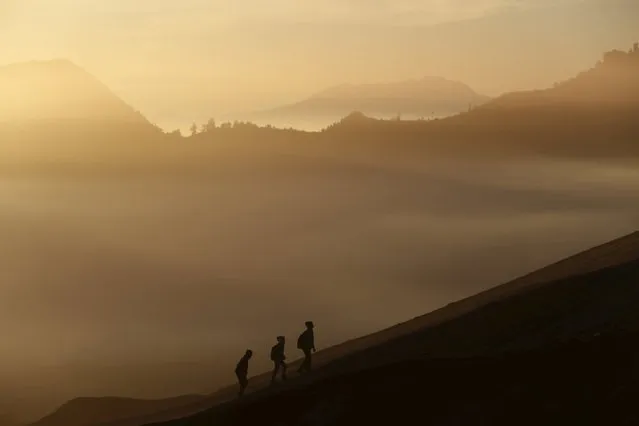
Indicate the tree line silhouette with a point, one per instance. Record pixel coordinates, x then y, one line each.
591 114
611 61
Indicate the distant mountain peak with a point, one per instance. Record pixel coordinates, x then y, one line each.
403 88
58 89
43 68
427 96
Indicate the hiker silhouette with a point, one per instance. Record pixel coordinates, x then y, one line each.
278 357
241 371
306 342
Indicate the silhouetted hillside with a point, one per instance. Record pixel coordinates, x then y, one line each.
593 113
93 411
613 83
589 383
590 115
524 353
619 251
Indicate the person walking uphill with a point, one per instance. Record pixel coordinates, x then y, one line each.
306 342
241 371
278 357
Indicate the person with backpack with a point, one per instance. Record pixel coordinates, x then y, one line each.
278 357
241 371
306 342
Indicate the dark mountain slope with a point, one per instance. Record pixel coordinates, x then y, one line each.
586 383
581 295
562 300
524 345
616 252
592 292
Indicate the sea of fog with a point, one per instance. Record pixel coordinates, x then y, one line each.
115 269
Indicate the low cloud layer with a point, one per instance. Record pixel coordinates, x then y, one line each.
191 266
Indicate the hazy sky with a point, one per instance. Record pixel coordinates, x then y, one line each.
193 58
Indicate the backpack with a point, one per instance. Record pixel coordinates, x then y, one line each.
300 341
274 353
